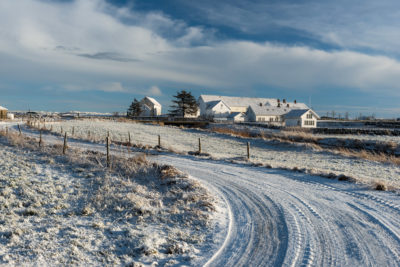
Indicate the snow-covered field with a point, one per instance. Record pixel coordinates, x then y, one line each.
264 217
63 211
220 146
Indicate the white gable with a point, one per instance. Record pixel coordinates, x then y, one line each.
153 101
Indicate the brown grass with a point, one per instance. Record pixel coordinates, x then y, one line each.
242 133
369 155
380 186
292 136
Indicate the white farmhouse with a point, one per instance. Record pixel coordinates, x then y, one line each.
219 106
150 107
301 118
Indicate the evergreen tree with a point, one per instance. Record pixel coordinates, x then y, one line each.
184 104
134 109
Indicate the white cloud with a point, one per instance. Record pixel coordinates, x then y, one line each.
112 87
154 91
43 41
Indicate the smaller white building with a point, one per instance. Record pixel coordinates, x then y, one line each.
301 118
216 109
150 107
266 114
237 117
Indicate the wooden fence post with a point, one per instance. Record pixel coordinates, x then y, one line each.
6 130
129 138
73 130
19 129
65 143
62 130
248 150
88 135
40 138
159 141
199 146
108 151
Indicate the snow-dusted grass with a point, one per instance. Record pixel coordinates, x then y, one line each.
71 210
222 146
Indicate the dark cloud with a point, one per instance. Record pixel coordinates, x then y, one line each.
109 56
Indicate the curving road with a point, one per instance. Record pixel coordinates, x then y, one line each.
281 218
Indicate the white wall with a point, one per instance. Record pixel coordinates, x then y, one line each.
303 121
308 120
220 111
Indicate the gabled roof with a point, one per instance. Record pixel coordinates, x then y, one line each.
146 107
268 110
232 101
3 108
234 114
212 104
296 113
235 101
152 100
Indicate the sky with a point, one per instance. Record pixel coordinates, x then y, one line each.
98 55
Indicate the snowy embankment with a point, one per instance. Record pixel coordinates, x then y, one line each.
221 146
70 210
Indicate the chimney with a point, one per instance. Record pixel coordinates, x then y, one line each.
287 105
279 104
295 101
284 101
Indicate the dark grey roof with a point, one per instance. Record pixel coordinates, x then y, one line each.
234 114
296 113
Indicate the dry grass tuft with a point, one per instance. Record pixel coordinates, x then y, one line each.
369 155
168 171
241 133
380 186
343 177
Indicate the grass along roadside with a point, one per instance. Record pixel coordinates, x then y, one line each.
70 209
382 152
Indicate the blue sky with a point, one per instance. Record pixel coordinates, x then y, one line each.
97 55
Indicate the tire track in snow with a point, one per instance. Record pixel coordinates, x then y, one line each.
321 228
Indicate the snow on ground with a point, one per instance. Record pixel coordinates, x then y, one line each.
57 210
276 217
221 146
281 218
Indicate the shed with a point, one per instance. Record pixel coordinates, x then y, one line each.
3 113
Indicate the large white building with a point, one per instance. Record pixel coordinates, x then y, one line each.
264 110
